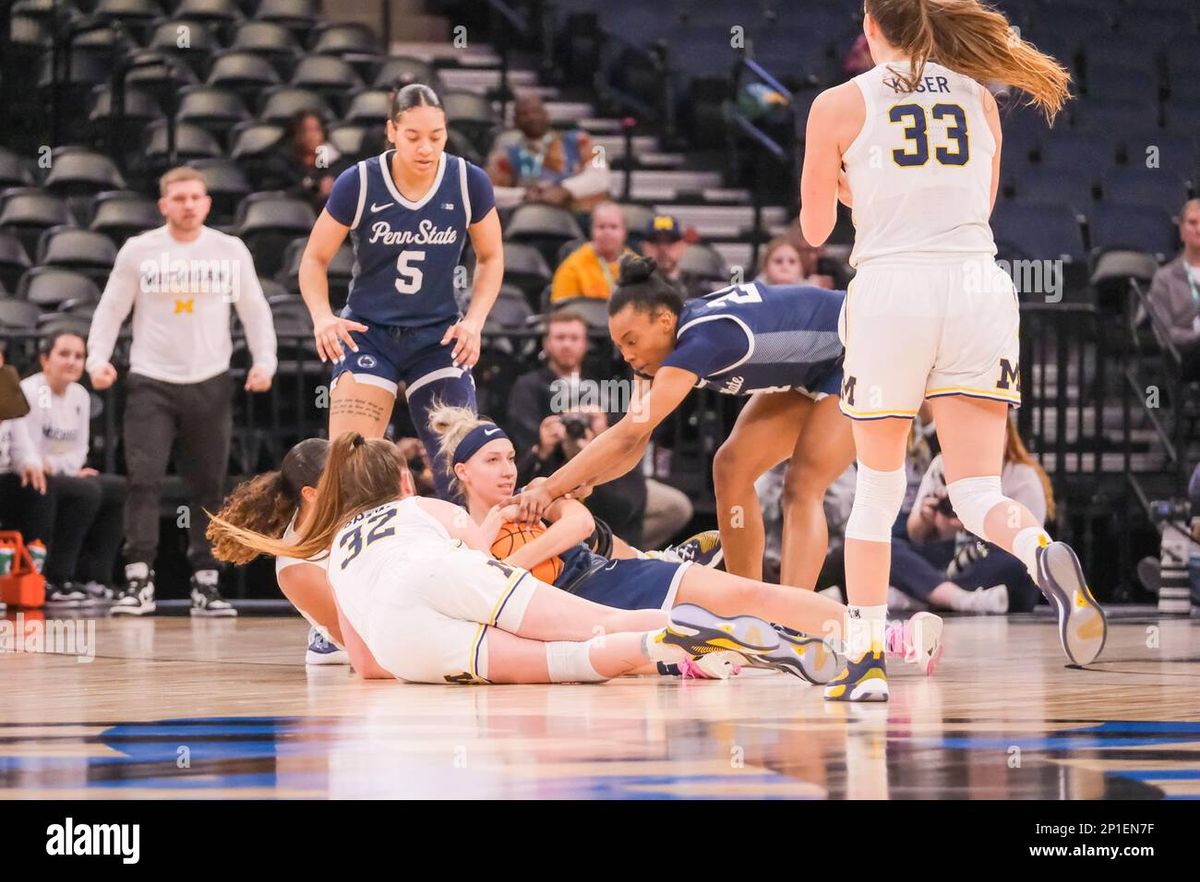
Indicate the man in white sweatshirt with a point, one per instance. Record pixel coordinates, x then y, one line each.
179 280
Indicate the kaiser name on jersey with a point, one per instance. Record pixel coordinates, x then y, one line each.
427 233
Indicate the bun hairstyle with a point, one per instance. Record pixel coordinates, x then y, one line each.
640 287
414 95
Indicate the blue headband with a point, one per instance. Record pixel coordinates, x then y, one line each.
482 434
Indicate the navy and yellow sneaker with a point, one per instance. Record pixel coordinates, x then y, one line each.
864 679
1081 623
809 658
703 549
699 632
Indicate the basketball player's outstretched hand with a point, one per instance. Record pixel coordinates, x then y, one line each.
466 334
331 333
531 504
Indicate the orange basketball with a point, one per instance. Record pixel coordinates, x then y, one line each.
512 536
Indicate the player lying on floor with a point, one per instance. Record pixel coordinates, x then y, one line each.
279 503
418 597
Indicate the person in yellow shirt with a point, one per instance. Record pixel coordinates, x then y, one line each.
591 270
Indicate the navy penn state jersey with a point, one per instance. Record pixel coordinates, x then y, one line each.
761 338
406 253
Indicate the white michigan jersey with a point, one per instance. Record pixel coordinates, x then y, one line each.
920 171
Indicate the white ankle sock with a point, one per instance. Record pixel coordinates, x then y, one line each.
864 627
1025 546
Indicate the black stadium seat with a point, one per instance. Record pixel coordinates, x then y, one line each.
1137 185
298 16
282 103
270 40
1037 231
243 72
216 110
525 268
78 171
14 260
83 251
26 212
369 107
329 76
48 286
402 70
253 139
543 226
267 222
345 38
122 213
13 172
17 315
1066 186
226 183
192 42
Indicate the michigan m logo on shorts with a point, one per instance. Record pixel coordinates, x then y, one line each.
1009 372
848 390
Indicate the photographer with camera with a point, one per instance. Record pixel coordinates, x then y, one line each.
936 563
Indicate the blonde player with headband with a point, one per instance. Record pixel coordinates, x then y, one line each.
929 314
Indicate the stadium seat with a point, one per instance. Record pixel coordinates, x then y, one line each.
1132 228
253 139
369 107
121 214
543 226
1037 231
199 43
1101 115
83 251
594 311
26 212
159 74
213 109
135 16
270 40
328 76
348 140
298 16
226 183
472 114
14 260
1156 30
13 172
1157 148
703 263
141 109
17 315
1117 83
191 142
1118 51
282 103
1065 186
243 72
267 222
1094 151
1137 185
525 268
637 218
218 13
401 70
345 38
341 271
78 171
1182 117
48 286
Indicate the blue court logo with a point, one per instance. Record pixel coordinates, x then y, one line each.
366 361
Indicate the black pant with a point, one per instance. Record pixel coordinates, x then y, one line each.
78 520
200 416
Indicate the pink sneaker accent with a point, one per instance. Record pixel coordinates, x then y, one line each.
690 669
897 639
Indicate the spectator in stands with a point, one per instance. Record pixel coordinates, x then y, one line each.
857 59
80 518
591 270
304 164
535 163
789 260
1175 292
22 478
666 243
564 348
414 453
179 280
935 562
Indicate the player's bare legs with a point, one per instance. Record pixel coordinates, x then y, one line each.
764 435
824 449
359 407
972 434
881 445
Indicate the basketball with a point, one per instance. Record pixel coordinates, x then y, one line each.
513 536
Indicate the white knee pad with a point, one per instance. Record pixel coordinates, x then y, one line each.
571 663
973 498
877 500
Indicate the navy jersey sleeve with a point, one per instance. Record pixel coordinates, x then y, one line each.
342 204
479 189
709 347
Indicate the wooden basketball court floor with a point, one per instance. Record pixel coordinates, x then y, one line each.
176 707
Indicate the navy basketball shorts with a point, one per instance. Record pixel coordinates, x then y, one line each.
625 584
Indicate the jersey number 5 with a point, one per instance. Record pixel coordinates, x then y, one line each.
410 276
914 115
